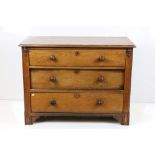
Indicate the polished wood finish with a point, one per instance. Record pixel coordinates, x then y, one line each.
54 41
77 79
74 67
73 90
101 102
77 76
26 81
127 87
68 57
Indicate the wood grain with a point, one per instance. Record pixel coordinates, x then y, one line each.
74 67
67 57
26 83
127 87
73 90
77 102
53 41
77 79
61 77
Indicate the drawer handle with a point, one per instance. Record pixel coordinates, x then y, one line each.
99 102
53 78
101 78
101 58
53 102
53 58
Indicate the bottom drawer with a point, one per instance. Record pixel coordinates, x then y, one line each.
78 102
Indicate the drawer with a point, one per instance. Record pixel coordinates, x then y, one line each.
77 79
77 57
80 102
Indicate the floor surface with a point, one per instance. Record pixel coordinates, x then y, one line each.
77 136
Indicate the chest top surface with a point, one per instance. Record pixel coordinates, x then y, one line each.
54 41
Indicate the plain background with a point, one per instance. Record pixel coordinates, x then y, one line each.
131 18
21 18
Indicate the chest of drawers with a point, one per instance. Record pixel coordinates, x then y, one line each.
77 76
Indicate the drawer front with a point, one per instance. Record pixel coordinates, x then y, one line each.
84 102
77 57
77 79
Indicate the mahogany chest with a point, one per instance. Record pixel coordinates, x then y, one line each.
77 76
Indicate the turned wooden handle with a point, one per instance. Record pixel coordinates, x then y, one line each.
101 78
101 58
99 102
53 78
53 58
53 102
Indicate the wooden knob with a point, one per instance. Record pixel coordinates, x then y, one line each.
53 102
101 78
53 58
99 102
101 58
53 78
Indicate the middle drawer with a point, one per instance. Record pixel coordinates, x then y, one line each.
77 79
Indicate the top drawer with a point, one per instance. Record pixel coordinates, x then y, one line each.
76 57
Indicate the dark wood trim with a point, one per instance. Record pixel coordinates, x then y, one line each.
72 68
26 83
35 118
73 91
116 116
125 118
127 87
25 49
73 114
79 46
